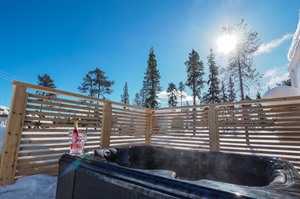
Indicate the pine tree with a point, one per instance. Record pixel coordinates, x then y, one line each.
87 86
231 91
137 100
96 84
181 88
151 83
172 94
240 66
212 95
125 96
224 97
195 72
45 81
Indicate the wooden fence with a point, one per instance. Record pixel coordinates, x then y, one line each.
39 120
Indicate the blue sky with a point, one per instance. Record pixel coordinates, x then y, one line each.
66 39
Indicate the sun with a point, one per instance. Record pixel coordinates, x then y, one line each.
226 43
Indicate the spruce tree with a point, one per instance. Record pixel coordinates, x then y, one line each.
240 62
212 95
195 72
142 97
125 96
231 91
224 97
151 84
45 81
181 89
137 100
96 84
172 94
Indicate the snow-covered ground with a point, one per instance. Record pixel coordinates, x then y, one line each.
38 186
3 114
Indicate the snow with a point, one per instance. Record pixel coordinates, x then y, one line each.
281 91
2 131
39 186
4 110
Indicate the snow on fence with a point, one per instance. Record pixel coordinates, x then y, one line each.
37 130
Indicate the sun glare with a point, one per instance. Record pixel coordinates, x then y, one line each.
226 43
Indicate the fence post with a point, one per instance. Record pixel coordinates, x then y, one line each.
149 124
213 126
11 142
106 125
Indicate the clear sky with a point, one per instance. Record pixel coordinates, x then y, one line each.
66 39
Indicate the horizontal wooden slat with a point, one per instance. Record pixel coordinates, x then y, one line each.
47 170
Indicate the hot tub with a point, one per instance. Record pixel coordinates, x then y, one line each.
158 172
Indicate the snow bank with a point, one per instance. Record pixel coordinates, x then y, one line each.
281 91
40 186
4 110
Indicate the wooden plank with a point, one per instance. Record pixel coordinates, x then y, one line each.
57 130
48 109
180 138
33 165
128 112
12 138
70 94
275 152
45 146
127 144
60 115
52 170
281 139
169 144
45 152
62 120
39 158
128 140
182 141
59 103
259 141
130 133
58 99
181 131
106 125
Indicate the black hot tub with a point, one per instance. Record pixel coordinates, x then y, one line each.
158 172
